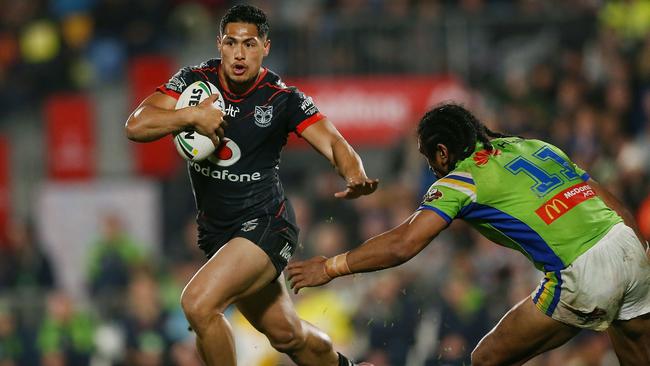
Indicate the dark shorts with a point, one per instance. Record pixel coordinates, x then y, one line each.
276 235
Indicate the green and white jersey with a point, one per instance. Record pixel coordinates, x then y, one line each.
526 195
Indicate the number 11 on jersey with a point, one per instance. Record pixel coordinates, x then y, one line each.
544 181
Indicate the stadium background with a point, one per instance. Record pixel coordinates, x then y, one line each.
98 234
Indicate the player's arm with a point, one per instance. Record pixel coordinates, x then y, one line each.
157 117
616 205
386 250
327 140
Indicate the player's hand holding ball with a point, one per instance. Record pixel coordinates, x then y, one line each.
205 105
208 119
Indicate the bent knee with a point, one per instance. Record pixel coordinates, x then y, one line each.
199 308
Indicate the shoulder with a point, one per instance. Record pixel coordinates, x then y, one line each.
539 147
201 70
273 81
458 185
460 179
212 63
459 176
189 74
275 84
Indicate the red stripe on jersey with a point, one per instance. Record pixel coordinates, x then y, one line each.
302 126
225 96
280 90
172 93
280 210
202 73
208 68
274 86
202 70
276 93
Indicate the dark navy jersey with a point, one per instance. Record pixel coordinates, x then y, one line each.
240 180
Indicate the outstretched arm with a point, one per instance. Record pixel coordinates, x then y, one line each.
327 140
157 117
386 250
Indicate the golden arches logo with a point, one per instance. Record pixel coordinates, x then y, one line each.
555 206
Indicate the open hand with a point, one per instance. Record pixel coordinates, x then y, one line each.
358 187
308 273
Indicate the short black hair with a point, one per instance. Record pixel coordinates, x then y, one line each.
246 14
455 127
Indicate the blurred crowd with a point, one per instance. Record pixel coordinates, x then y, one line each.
575 73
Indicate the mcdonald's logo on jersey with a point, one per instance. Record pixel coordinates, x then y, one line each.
564 201
555 208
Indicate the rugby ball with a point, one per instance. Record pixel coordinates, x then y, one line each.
191 145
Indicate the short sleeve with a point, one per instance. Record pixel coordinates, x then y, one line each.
449 195
302 112
177 83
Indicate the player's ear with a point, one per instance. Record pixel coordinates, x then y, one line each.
218 41
443 152
267 47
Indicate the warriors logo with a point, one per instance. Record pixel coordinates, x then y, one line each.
263 115
249 225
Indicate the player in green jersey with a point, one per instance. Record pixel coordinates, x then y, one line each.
526 195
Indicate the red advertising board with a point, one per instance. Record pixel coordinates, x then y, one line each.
70 126
378 110
158 158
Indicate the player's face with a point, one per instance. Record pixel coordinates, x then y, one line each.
242 51
439 162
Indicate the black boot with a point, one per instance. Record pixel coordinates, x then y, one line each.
344 361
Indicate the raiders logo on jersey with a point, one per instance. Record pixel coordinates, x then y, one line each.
432 194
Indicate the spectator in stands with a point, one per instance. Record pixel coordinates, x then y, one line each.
66 334
23 263
13 347
463 320
147 341
113 258
391 317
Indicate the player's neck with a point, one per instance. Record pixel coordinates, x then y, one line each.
238 88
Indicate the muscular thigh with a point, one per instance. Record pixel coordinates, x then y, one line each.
237 269
271 310
520 335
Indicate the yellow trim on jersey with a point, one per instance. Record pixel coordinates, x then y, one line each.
463 187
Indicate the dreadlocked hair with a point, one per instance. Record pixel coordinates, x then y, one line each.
456 128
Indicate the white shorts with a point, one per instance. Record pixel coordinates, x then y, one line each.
610 281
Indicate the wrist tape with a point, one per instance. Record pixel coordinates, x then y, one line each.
337 266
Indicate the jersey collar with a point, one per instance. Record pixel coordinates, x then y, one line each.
232 96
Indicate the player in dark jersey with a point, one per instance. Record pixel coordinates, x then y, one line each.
246 225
